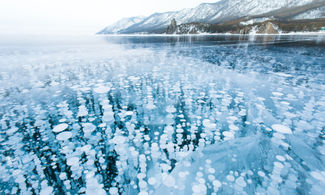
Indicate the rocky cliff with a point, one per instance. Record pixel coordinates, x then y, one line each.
172 28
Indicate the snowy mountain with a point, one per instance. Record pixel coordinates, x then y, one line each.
221 11
312 14
122 24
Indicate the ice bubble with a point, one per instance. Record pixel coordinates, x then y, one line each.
242 113
261 98
102 89
60 127
211 177
278 165
212 170
165 167
142 184
261 173
201 180
285 145
284 74
199 188
128 113
276 178
152 181
317 175
108 116
11 131
179 131
133 78
170 109
46 190
268 129
67 184
229 134
241 182
281 129
150 106
216 183
232 118
141 175
233 127
285 103
182 174
289 114
63 176
84 89
119 139
279 135
86 148
169 181
73 161
142 158
230 178
143 193
277 94
169 129
154 147
199 174
113 191
102 125
280 158
201 101
82 111
64 136
207 123
88 127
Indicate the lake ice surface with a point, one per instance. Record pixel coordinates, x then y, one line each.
162 115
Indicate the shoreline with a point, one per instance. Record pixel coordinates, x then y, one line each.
212 34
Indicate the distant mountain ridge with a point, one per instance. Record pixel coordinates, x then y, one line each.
223 11
122 24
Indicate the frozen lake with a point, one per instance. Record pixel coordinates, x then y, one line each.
162 115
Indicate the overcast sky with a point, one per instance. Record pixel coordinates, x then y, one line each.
77 16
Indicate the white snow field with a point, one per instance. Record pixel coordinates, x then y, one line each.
163 115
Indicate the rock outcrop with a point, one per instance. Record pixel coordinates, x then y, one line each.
260 28
267 28
172 28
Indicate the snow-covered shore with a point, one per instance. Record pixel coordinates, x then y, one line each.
211 34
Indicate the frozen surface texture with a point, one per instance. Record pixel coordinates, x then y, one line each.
164 115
